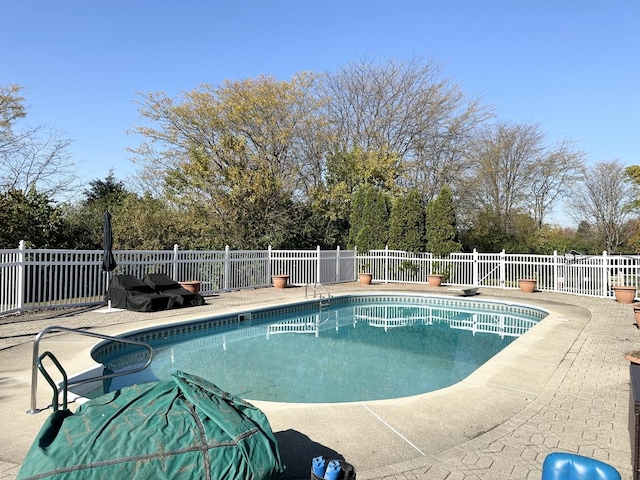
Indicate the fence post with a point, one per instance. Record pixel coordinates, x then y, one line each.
318 263
503 269
355 263
269 263
227 268
605 274
386 264
337 279
21 275
475 265
555 270
175 262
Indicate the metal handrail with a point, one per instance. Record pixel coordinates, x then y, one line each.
36 359
316 291
47 377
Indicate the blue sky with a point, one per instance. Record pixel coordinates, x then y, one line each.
573 66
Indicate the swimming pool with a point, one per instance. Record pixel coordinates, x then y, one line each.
360 347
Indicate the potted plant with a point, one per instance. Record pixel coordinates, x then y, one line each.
280 281
435 279
624 293
365 276
527 285
438 275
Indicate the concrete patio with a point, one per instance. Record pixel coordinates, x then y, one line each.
563 386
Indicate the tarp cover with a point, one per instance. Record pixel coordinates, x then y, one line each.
181 297
126 291
182 428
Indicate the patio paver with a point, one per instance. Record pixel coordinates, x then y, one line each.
563 388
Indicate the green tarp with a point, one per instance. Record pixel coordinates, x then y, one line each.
180 428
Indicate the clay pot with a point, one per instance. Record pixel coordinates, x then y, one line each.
435 280
631 356
636 314
527 285
192 286
280 281
624 294
365 278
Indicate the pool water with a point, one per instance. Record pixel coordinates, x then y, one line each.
368 350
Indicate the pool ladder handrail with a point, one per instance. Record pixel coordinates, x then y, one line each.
37 365
323 302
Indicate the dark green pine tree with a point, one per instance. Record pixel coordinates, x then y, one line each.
441 230
357 209
407 223
369 219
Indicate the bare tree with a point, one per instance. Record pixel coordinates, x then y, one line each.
409 109
553 176
32 157
504 159
516 174
602 199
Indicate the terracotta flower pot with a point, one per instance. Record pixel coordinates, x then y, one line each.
636 314
624 294
527 285
365 278
435 280
633 357
192 286
280 281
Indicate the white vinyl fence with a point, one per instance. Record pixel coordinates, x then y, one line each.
39 278
42 278
569 273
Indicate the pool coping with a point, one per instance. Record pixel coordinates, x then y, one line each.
206 321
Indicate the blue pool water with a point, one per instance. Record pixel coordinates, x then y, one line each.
359 348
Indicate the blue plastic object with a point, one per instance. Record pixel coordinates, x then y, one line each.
569 466
333 470
318 466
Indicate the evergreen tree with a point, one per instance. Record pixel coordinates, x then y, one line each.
357 210
31 217
407 223
106 194
441 229
84 219
369 219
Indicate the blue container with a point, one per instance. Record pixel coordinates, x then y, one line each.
333 470
318 466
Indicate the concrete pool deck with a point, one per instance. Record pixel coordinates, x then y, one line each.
563 386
